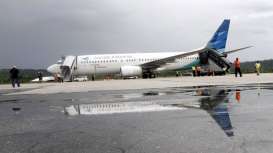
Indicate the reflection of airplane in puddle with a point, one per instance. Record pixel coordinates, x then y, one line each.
214 102
216 106
111 108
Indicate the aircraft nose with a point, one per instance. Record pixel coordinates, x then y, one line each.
50 69
53 68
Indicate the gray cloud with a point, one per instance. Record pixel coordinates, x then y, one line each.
34 34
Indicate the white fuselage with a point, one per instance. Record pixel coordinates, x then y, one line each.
142 63
112 63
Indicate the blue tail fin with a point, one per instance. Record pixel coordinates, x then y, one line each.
219 39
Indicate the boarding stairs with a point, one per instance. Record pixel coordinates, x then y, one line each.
68 67
219 59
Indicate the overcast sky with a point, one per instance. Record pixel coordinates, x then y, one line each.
34 34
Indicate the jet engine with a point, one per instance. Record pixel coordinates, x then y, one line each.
128 71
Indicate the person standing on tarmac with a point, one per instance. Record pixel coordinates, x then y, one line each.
177 74
14 76
198 69
40 76
237 67
193 71
258 67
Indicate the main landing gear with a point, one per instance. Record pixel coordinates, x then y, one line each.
148 75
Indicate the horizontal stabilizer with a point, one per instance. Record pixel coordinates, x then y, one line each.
236 50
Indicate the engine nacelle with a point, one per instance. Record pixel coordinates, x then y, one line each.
128 71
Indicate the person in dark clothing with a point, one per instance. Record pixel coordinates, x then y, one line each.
40 76
14 76
177 74
237 67
198 69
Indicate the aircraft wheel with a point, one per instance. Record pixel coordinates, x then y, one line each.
144 76
151 75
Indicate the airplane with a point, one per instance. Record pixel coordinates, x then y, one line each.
146 65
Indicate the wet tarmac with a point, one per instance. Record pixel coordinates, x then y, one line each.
204 119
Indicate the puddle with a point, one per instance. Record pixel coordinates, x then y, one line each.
16 108
151 93
43 101
216 106
10 100
212 100
216 101
221 115
112 108
139 95
71 99
130 96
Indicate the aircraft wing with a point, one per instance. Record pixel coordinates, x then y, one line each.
157 63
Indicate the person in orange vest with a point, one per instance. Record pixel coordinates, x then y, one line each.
237 67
